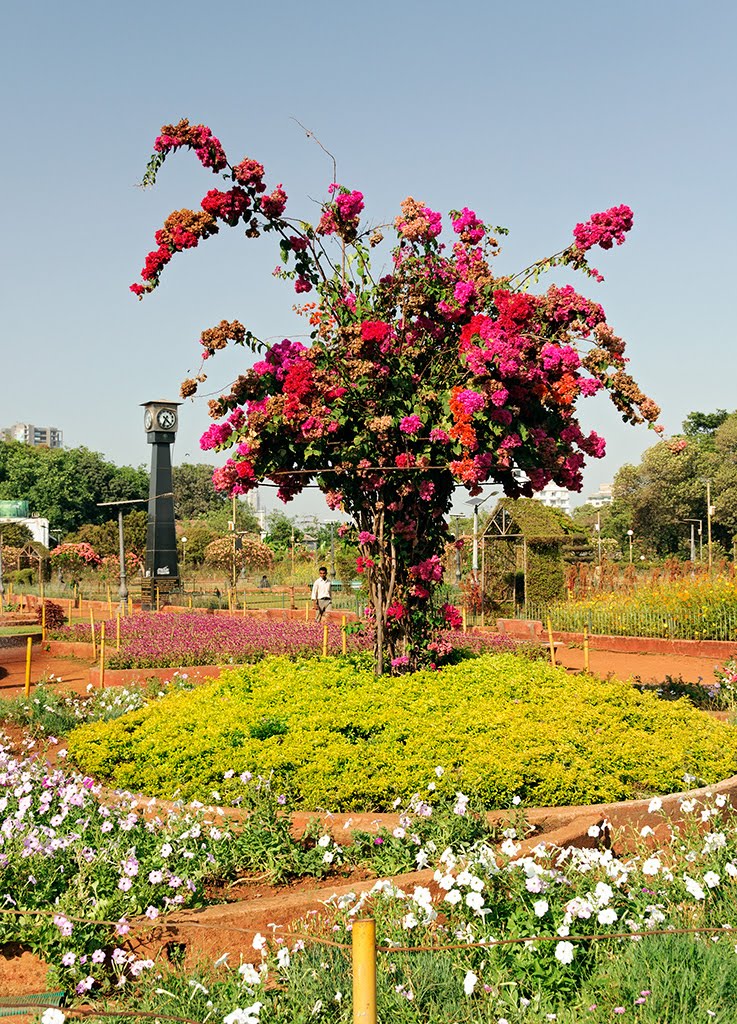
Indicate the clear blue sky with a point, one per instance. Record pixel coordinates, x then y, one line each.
534 115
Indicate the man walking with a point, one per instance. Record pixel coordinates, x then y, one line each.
322 593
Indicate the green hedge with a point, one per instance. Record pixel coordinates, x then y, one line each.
340 739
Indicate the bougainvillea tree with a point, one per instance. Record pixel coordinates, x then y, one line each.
439 373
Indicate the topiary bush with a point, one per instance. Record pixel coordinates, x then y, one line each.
499 725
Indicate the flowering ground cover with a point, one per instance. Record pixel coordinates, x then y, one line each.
494 894
483 899
339 738
167 641
702 609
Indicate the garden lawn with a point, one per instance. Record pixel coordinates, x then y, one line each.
338 738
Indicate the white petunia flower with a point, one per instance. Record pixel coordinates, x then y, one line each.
712 879
655 805
53 1016
564 952
607 916
469 982
540 907
694 888
651 866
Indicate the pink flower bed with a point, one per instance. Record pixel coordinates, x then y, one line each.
171 641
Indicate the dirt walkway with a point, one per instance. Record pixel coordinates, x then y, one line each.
649 668
74 674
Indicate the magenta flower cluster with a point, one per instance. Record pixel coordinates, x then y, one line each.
170 641
604 229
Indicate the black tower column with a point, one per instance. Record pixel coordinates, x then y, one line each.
161 567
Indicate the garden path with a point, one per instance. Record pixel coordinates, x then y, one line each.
648 667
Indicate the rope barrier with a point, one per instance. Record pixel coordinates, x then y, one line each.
141 927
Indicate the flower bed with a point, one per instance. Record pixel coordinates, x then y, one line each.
704 609
168 641
339 738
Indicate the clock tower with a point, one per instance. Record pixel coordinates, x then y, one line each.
160 421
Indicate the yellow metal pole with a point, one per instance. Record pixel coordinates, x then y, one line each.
465 620
130 605
307 611
344 638
325 640
94 639
586 648
363 950
102 655
43 622
71 605
158 600
550 641
117 631
109 602
189 602
29 646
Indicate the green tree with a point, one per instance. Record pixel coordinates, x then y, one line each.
105 539
656 498
282 532
194 495
66 485
15 535
703 424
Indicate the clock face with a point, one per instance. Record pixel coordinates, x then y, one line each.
148 419
167 418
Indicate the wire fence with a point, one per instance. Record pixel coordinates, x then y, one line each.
717 622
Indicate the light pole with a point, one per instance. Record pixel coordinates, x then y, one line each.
457 515
693 538
475 502
597 527
630 535
184 553
707 481
123 587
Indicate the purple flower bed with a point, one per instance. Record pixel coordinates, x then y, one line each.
169 641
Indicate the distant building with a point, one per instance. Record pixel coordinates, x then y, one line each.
602 497
16 512
554 496
29 433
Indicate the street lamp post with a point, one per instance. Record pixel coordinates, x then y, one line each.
630 535
707 481
458 550
184 553
123 588
597 527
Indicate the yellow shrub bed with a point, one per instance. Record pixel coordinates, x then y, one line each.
340 739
